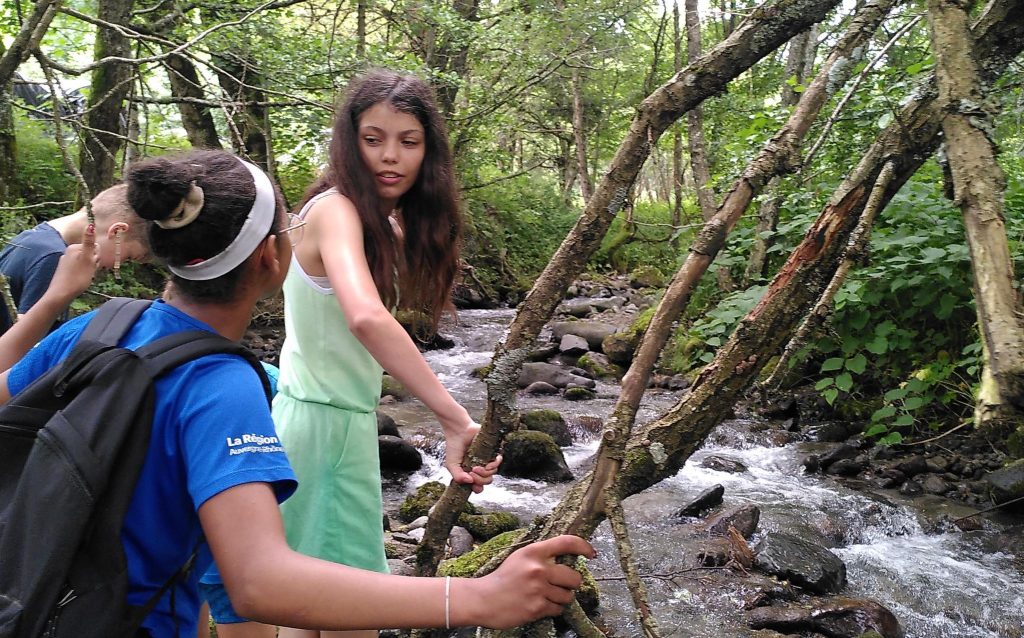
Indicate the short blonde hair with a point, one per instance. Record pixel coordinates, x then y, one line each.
111 206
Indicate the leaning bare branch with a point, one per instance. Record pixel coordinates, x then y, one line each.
59 138
581 624
617 519
38 205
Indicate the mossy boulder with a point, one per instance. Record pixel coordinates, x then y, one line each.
577 393
534 455
486 526
419 502
619 347
548 421
466 565
600 366
391 386
646 277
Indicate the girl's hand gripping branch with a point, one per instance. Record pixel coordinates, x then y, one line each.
528 586
457 443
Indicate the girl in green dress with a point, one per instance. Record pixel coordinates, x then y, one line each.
382 231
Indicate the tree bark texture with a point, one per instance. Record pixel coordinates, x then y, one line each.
695 121
659 449
8 140
250 124
579 131
767 28
196 118
109 87
677 133
979 186
799 63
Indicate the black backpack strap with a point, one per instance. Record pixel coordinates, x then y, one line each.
113 319
171 351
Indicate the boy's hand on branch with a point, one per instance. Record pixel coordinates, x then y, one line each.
456 444
530 585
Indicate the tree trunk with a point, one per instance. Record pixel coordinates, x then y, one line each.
8 141
108 89
196 118
453 56
767 28
360 30
677 135
979 186
249 122
695 121
799 62
580 135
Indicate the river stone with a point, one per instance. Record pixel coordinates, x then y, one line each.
534 455
911 488
801 562
539 388
742 517
620 346
835 618
460 541
723 464
1008 483
548 421
543 353
392 387
387 426
575 392
841 451
913 466
551 374
419 502
593 331
597 364
610 303
486 526
573 345
398 455
846 467
933 484
832 431
711 497
577 308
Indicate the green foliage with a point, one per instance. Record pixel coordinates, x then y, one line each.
41 174
641 243
513 228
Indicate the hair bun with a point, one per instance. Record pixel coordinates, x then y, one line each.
157 186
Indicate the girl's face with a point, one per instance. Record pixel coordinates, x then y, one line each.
392 145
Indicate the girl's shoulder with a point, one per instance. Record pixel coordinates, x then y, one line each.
327 202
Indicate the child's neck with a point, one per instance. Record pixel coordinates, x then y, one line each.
71 227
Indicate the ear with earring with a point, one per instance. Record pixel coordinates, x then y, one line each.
117 254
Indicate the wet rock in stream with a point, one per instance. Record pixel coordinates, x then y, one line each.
835 618
801 562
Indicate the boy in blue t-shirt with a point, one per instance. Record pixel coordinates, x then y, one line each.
29 260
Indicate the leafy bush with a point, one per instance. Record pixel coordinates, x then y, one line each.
513 228
41 175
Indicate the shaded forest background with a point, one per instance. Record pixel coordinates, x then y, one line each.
824 197
538 96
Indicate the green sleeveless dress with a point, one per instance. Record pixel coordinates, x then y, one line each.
324 413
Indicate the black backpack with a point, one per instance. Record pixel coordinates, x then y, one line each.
72 445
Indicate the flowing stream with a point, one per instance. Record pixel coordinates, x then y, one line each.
938 581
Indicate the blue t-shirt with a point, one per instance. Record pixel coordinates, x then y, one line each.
28 262
211 431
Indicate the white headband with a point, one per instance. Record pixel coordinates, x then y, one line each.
254 230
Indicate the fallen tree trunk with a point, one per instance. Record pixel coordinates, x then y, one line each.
767 28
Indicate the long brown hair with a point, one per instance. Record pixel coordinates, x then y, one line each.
431 219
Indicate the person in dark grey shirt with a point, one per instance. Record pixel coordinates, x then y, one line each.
29 260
